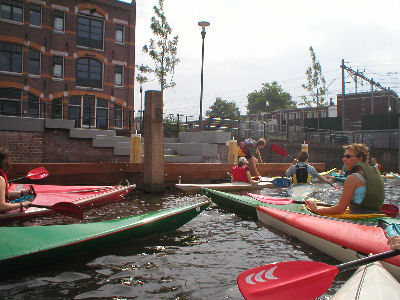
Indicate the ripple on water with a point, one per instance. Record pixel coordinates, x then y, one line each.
200 260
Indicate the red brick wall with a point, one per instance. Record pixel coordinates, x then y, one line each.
55 146
24 146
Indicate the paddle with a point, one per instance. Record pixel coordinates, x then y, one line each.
389 210
37 173
300 280
279 150
65 208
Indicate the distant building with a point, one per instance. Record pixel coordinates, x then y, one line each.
68 60
361 104
293 119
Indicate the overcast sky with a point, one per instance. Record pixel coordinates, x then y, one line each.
260 41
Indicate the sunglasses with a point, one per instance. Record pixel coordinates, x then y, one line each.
348 156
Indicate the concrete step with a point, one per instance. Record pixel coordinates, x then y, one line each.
197 149
212 137
59 124
171 140
110 141
86 133
169 152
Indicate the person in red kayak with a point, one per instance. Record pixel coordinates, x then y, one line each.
5 194
249 149
363 191
241 172
374 163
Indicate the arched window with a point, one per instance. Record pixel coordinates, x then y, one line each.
89 73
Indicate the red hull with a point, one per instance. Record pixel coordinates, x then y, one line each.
84 196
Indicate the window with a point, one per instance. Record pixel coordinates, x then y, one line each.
88 111
58 66
57 108
90 32
89 73
12 10
118 70
59 20
10 57
10 102
119 33
35 14
34 62
33 106
117 116
74 110
102 114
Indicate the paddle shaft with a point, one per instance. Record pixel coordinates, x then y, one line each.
366 260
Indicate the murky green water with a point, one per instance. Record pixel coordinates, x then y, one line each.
201 260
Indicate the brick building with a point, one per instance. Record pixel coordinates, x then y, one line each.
360 104
68 59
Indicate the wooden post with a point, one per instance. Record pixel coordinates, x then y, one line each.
136 149
153 180
232 152
304 147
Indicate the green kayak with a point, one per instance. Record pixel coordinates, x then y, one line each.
23 246
247 206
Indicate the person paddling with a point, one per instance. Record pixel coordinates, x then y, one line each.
249 149
301 172
5 194
240 172
363 191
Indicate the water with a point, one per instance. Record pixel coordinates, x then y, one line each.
201 260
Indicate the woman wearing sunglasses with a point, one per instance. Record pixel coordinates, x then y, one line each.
363 190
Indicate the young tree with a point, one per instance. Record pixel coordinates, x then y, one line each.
315 86
162 51
223 109
271 93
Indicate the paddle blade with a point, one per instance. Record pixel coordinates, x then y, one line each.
38 173
68 209
300 280
278 149
390 210
281 182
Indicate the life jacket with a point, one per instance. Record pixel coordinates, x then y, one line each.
302 176
244 146
375 193
239 173
6 180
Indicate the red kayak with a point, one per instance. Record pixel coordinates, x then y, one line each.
50 195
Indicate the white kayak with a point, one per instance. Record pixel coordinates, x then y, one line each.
226 186
396 176
370 282
300 191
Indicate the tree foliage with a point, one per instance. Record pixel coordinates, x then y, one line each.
223 109
162 50
271 93
315 85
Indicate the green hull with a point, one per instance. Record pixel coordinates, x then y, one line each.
247 206
23 246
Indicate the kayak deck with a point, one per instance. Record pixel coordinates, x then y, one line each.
369 282
84 196
29 245
226 186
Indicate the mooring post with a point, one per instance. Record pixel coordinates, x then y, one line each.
153 168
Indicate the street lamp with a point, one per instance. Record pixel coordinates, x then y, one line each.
203 25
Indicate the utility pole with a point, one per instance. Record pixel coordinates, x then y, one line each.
343 91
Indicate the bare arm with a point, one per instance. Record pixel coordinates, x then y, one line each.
250 180
253 166
4 206
351 183
259 155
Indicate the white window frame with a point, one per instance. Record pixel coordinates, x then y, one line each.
54 21
41 15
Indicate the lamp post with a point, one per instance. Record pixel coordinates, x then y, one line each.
203 25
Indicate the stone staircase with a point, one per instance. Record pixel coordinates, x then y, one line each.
190 147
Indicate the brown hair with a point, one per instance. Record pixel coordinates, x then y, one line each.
302 156
261 141
5 159
360 149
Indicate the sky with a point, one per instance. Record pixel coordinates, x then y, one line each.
249 43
